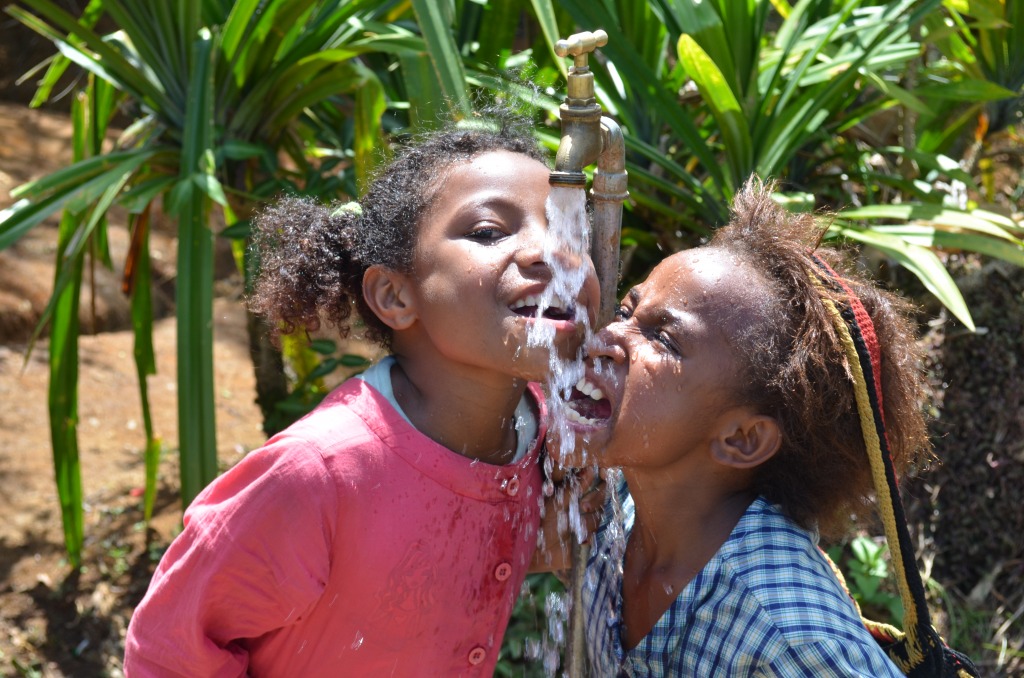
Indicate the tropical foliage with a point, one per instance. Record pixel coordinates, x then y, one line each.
884 113
226 101
807 94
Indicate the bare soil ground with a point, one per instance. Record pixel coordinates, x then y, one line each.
53 623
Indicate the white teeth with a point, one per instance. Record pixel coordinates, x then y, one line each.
537 299
588 389
573 415
529 300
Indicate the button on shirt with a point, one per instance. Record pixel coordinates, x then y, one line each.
766 604
350 544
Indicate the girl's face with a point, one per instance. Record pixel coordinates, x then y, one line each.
479 267
663 369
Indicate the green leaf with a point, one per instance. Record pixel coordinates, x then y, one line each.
444 54
660 103
236 149
83 181
323 369
63 396
352 360
103 60
545 13
74 247
721 99
239 230
423 91
209 185
920 261
965 90
139 197
928 236
323 346
196 412
368 134
143 353
932 214
90 15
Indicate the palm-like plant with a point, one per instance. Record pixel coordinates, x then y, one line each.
218 91
786 91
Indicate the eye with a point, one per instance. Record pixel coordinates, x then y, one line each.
486 232
622 312
666 340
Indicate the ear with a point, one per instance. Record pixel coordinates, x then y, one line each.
747 440
388 293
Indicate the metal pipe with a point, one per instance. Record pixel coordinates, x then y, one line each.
608 193
587 137
580 114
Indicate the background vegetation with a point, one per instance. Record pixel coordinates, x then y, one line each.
903 118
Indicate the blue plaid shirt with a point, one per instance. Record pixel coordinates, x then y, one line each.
767 604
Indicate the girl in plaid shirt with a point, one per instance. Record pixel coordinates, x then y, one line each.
723 393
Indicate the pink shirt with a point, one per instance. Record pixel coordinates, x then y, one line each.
350 544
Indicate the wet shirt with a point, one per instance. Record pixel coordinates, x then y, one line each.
350 544
767 604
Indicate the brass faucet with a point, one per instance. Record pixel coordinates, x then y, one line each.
588 138
580 113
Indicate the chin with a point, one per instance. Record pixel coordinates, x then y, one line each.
532 365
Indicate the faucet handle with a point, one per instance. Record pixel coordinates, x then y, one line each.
581 43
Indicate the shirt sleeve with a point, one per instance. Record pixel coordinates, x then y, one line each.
254 556
850 659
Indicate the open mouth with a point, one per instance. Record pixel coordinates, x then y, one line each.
587 405
555 309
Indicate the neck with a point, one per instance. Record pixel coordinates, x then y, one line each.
678 527
468 410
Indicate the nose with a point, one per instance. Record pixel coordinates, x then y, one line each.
530 248
610 342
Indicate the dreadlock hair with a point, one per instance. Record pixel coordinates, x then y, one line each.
793 366
312 256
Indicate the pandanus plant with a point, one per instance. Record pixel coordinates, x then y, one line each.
226 99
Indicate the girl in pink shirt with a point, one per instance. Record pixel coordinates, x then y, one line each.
389 531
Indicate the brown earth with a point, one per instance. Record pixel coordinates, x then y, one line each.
53 623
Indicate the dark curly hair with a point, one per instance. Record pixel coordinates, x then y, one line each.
794 368
312 256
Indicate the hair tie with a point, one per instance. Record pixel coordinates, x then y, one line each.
918 650
351 207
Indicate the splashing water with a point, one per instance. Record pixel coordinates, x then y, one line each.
566 250
615 537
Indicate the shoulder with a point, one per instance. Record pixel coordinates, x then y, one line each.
833 657
285 482
353 426
299 470
768 550
785 587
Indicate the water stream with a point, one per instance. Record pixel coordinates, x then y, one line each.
566 247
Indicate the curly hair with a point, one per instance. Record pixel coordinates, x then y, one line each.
312 257
793 366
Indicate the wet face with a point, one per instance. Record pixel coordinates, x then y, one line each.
659 378
479 269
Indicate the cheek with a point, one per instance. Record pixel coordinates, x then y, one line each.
651 387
